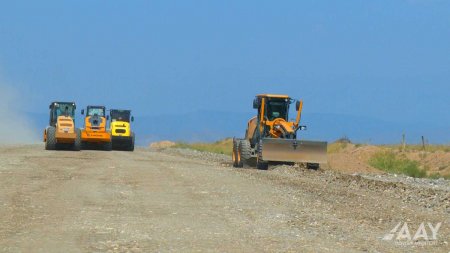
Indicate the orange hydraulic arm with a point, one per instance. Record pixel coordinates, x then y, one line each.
261 120
299 113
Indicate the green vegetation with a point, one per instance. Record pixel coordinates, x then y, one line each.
437 176
220 147
391 162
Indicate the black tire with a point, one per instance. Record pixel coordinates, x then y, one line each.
77 143
312 166
245 149
131 145
245 152
235 154
260 163
50 143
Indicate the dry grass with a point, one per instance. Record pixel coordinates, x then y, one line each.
428 148
336 147
389 159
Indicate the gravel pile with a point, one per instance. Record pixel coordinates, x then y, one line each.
424 192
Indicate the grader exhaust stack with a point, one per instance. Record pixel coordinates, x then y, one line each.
271 137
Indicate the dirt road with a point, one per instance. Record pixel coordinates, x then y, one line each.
147 201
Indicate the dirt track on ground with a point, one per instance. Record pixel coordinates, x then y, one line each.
147 201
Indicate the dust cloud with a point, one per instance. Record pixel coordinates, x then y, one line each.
15 128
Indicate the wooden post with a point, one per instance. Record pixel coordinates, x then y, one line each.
423 143
403 142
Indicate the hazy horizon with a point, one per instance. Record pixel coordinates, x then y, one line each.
383 61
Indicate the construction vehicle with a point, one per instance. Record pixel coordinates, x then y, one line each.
95 134
61 132
121 134
271 137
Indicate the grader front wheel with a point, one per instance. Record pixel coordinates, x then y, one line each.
236 156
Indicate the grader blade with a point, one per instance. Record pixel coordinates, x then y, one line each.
288 150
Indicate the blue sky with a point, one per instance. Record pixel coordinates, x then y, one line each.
388 60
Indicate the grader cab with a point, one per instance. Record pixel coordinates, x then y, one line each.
271 137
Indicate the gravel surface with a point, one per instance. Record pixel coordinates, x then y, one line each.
188 201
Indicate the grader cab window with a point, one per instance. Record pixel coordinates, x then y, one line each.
118 115
277 108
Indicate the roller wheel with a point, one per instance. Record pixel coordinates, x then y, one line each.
50 143
84 145
107 146
77 143
260 163
131 145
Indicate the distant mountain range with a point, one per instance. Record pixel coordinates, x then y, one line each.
213 125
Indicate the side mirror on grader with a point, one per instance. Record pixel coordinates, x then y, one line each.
271 137
255 103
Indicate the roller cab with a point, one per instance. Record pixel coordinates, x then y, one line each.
122 136
95 134
61 132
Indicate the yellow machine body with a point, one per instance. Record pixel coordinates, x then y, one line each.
95 133
61 132
270 136
120 129
95 126
120 125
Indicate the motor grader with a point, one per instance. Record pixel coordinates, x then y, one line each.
95 134
121 134
271 137
61 132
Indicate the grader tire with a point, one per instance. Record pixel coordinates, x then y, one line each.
235 153
260 163
245 152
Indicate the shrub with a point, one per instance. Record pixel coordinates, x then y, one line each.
390 162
